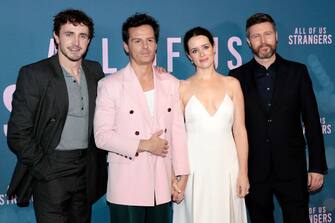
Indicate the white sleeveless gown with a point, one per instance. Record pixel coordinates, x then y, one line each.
210 195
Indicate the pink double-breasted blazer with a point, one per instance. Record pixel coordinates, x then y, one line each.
122 118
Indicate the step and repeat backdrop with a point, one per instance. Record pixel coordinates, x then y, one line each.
306 34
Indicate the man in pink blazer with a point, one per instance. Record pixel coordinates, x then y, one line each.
139 121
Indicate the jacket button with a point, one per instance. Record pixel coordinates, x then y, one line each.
165 130
137 133
126 157
269 120
136 154
131 112
169 109
267 140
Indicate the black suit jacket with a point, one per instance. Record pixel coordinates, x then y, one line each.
276 139
40 106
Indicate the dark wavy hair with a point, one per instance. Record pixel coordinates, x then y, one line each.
74 17
258 18
136 20
196 31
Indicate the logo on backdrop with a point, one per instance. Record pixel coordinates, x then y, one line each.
326 126
310 35
5 201
319 215
172 55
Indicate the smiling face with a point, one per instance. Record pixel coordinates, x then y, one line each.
262 39
141 46
201 51
72 41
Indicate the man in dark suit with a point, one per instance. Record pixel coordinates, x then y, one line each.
278 95
50 128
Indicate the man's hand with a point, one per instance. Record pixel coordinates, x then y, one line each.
178 188
315 181
155 145
177 193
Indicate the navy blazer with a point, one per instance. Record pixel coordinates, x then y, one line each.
276 136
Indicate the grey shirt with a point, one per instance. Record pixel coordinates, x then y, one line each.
75 132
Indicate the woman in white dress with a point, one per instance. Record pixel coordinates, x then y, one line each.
217 141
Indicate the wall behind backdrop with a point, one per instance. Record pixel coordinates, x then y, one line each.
306 34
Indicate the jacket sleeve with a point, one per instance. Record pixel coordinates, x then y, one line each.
180 159
20 134
311 119
105 123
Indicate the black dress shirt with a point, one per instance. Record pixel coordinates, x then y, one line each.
265 82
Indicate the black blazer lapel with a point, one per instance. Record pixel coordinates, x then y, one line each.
59 86
91 82
280 84
252 91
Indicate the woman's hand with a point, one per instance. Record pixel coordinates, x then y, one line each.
178 188
242 187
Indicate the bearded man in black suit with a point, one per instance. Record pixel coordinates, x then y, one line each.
278 97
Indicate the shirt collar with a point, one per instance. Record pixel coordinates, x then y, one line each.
260 70
67 74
